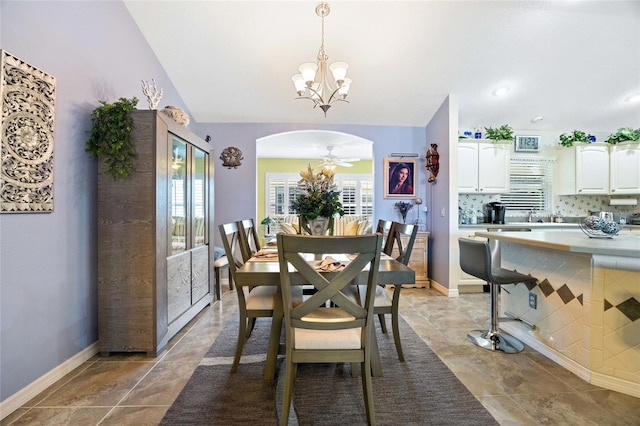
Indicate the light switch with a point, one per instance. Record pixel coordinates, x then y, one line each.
442 212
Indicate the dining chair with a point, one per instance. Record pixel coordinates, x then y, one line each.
253 302
250 240
476 259
339 333
401 238
384 226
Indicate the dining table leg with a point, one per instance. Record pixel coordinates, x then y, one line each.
274 339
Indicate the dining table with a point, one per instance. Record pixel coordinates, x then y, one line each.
263 268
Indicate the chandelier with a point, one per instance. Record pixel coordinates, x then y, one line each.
320 91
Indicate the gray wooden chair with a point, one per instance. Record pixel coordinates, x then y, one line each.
401 237
476 260
320 334
250 240
253 302
384 227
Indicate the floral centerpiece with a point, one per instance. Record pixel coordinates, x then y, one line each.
318 197
404 208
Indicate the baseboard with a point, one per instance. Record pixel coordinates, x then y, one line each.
25 394
597 379
444 290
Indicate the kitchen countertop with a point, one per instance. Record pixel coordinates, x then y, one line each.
624 244
535 225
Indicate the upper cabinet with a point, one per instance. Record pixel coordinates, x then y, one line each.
624 161
483 166
598 168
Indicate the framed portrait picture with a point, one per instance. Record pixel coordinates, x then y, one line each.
527 143
400 178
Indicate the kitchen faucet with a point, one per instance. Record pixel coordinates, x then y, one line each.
531 213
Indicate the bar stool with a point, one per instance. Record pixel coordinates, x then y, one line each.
475 260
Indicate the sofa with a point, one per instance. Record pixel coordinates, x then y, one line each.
345 225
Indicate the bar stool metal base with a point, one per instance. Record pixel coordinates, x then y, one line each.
495 341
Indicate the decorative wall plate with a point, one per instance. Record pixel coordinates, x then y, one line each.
231 157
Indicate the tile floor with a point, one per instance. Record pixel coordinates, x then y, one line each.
520 389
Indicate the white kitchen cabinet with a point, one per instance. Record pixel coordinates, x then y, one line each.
483 166
624 164
583 170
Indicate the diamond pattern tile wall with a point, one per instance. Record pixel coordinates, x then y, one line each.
586 310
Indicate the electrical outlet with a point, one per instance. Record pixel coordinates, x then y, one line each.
533 300
442 213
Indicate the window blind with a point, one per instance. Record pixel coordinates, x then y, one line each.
530 184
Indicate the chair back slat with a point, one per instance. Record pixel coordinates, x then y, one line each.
401 237
250 243
384 227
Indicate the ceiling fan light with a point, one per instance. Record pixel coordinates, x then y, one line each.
633 98
308 71
500 91
339 71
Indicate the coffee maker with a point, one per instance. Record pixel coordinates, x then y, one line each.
495 212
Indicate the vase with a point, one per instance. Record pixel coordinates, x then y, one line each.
317 226
177 114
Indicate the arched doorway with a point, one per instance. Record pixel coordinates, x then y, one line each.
280 158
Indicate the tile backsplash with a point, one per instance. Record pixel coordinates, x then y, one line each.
569 205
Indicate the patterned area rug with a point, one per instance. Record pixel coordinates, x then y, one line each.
420 391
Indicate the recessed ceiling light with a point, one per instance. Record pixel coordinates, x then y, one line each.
500 91
536 119
633 98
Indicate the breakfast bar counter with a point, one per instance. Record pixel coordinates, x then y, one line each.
585 308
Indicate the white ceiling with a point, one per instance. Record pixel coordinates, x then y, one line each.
573 62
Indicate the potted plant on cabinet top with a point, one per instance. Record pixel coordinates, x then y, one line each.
502 133
110 137
577 136
624 134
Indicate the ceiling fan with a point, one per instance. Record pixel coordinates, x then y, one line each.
330 161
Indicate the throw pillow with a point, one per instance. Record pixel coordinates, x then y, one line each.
362 227
287 228
351 228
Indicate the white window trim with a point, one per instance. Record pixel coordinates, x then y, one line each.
289 178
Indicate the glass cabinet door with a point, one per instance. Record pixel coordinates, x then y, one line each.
178 196
200 211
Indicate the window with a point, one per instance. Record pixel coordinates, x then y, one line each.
530 180
356 191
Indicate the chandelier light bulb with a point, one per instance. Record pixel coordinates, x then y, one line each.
343 91
298 82
339 71
308 71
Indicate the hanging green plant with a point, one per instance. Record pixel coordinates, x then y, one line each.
624 134
110 138
577 136
502 133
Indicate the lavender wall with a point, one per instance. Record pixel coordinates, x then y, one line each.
48 289
443 213
235 196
